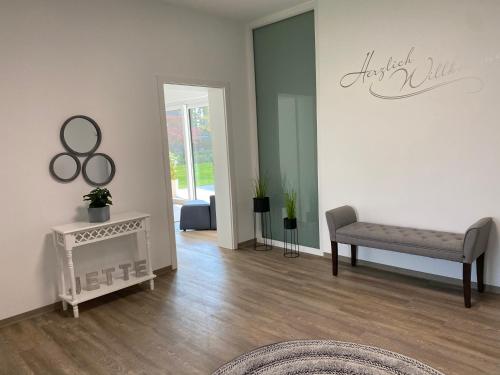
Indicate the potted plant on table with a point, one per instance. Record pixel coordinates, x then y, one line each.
290 221
260 200
100 200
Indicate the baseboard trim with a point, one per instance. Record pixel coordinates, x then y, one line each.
406 272
57 305
162 271
246 244
30 314
302 248
280 244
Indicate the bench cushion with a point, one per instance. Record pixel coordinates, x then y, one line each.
429 243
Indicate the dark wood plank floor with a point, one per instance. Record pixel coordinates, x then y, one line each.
221 303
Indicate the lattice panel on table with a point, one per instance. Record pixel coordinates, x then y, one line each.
60 238
108 231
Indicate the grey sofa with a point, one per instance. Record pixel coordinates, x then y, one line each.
464 248
198 215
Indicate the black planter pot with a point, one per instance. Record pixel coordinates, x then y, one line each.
290 223
261 204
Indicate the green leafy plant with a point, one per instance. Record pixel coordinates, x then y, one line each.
291 204
174 160
260 187
99 197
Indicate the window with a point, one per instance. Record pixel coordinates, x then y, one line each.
191 156
201 146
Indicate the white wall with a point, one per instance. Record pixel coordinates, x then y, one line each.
430 160
221 155
101 59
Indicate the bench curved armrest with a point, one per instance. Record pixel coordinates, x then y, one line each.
476 239
339 217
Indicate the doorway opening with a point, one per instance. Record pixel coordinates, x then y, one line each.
197 152
191 158
190 143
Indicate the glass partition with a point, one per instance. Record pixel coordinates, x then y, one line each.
285 83
178 160
203 159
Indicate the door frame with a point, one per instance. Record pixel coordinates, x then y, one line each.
225 86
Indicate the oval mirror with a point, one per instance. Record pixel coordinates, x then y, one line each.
64 167
80 135
98 169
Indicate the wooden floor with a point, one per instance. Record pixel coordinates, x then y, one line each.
221 303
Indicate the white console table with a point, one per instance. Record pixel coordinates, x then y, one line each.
67 237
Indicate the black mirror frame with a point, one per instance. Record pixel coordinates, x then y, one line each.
97 129
53 172
108 180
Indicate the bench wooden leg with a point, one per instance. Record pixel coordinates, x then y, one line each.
354 255
480 273
335 258
467 285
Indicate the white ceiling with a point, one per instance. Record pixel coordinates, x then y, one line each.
243 10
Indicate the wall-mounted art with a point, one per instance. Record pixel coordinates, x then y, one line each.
81 137
408 75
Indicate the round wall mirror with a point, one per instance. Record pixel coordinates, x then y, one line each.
98 169
80 135
64 167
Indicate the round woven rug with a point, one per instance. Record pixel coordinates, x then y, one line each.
323 357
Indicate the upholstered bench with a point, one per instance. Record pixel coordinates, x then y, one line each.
464 248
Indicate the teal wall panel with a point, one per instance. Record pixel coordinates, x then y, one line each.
285 83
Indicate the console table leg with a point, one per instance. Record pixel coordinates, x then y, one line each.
147 224
60 265
71 268
75 311
152 284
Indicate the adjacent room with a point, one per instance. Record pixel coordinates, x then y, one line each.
250 187
191 156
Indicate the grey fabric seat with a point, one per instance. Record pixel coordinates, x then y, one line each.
198 215
429 243
466 248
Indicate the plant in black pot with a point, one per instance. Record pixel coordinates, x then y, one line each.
290 221
261 200
100 200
